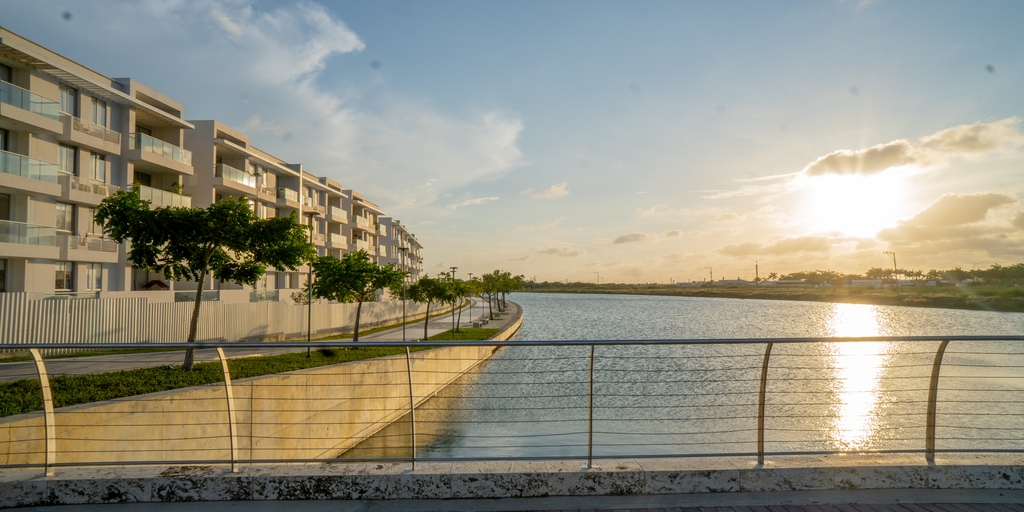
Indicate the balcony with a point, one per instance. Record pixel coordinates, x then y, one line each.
21 110
287 197
362 245
235 179
28 174
337 241
87 249
268 194
310 207
335 214
363 223
160 198
96 138
21 240
158 156
264 295
75 189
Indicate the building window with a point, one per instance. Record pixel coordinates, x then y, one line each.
67 156
95 228
6 73
3 276
65 277
98 168
94 276
5 207
69 100
99 112
65 217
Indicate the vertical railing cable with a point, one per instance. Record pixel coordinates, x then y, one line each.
933 394
412 406
49 427
590 428
760 404
232 425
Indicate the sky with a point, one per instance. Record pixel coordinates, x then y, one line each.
621 141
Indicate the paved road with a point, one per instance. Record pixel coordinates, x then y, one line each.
101 364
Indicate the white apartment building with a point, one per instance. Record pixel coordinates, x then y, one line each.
70 137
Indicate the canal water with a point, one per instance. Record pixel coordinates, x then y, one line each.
702 399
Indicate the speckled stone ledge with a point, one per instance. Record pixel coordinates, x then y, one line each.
504 479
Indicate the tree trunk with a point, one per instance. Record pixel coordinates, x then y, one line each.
453 320
190 353
426 319
490 306
359 310
457 324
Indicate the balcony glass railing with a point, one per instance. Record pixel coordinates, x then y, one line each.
13 95
159 147
27 234
362 245
338 213
287 193
18 165
362 222
238 176
163 197
337 238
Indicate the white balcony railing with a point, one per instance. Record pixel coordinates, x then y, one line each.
362 222
158 147
288 194
338 213
13 95
87 243
162 197
362 245
20 165
236 175
27 234
95 130
86 185
337 238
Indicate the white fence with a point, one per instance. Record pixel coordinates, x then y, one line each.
136 320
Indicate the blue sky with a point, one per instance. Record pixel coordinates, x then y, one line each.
641 140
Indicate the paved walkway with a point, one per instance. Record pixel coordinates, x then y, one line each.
904 500
17 370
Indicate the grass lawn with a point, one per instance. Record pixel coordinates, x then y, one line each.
465 334
24 395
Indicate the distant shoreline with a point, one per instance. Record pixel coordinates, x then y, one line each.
1009 300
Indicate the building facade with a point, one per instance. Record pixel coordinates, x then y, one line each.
70 137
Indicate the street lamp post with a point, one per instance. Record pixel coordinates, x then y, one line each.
401 250
894 270
712 273
309 296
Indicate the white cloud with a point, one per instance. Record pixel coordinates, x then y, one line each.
551 192
565 252
645 237
469 202
785 246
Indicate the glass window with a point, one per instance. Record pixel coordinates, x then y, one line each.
66 159
5 137
143 130
94 276
65 281
3 276
6 73
90 213
65 217
144 179
98 168
99 112
69 100
5 207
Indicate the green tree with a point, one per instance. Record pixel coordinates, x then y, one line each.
425 291
354 278
226 239
489 284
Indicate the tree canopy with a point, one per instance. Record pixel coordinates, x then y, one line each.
226 240
354 278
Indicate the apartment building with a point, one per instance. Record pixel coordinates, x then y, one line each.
70 137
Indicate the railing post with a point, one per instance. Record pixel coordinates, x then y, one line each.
933 394
590 407
232 425
49 427
412 406
760 404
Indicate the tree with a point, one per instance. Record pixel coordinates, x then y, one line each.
425 291
490 285
354 278
459 289
226 239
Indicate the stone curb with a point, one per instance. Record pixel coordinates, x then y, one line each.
502 479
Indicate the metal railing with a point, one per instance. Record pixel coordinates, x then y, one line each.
26 100
162 197
236 175
158 147
12 232
95 130
287 193
20 165
567 400
88 243
87 185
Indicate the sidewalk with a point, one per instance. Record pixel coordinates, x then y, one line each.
437 325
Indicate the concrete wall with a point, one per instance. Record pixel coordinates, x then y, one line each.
306 414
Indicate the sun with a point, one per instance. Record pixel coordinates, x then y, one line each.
856 206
